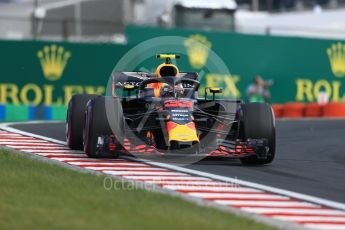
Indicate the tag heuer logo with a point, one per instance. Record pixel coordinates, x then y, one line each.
197 49
53 61
336 55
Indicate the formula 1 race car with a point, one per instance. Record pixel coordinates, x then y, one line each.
161 113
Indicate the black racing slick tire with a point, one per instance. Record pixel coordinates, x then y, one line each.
258 122
75 120
103 117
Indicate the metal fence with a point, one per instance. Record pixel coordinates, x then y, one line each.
60 29
297 31
288 5
15 28
62 19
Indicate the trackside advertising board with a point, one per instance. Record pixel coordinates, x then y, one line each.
38 78
48 73
300 67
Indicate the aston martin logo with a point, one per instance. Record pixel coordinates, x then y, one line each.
53 61
197 47
336 54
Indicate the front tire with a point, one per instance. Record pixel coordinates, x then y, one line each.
258 123
103 117
75 120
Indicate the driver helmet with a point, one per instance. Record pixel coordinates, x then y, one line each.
164 70
167 70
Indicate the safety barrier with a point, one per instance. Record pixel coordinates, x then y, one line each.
309 110
334 110
278 110
313 110
293 110
10 112
289 110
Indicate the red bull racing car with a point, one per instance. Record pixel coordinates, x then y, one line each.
161 113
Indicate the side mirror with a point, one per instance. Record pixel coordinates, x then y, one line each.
213 90
128 88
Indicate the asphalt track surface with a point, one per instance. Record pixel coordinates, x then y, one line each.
310 158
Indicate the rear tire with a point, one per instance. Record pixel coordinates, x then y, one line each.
103 117
258 122
75 120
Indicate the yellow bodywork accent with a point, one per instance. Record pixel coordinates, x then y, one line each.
183 133
164 56
215 90
128 87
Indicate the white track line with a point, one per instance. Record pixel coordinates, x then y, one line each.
9 144
61 154
212 184
9 135
14 130
127 169
282 203
310 218
39 148
165 178
292 211
68 158
82 164
208 188
219 196
129 173
50 151
326 226
23 141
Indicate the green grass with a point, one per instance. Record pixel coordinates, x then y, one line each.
38 195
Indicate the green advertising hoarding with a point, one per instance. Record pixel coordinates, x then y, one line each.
48 73
35 73
300 67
